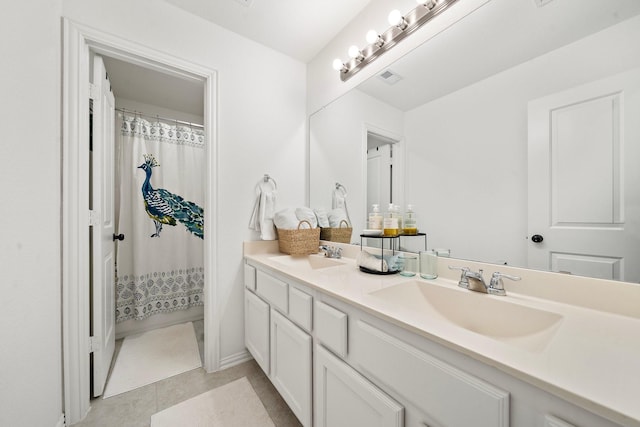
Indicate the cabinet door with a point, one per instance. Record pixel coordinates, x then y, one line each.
344 398
291 365
256 329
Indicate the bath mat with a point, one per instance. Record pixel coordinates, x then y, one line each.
233 405
153 356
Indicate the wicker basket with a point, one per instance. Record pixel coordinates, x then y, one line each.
340 234
303 241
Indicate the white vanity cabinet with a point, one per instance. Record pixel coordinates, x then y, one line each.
344 398
280 347
336 365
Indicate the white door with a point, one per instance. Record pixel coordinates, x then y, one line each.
344 398
291 365
379 170
256 329
584 179
103 246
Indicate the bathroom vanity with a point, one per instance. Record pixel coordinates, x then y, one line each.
345 348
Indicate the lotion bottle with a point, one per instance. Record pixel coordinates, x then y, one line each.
375 218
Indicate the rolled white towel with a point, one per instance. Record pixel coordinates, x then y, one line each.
307 214
336 216
370 262
285 219
323 219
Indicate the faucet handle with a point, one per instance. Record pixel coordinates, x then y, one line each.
496 287
464 281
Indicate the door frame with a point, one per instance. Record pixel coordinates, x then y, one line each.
79 42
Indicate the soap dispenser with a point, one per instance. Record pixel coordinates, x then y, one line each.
390 222
410 221
375 218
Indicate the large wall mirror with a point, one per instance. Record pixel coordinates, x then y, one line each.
518 121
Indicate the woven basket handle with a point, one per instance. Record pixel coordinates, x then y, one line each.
346 224
308 223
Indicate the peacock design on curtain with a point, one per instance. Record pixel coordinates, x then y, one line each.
164 207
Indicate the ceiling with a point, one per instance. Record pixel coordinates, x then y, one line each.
297 28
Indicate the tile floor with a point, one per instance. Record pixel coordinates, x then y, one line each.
134 409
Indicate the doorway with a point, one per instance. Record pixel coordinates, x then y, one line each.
79 44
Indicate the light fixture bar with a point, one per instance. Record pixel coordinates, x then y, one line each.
415 19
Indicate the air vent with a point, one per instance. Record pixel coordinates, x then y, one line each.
389 77
541 3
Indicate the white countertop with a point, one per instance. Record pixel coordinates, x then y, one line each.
592 358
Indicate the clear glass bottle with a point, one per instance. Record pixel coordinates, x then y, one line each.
390 222
410 226
375 218
398 214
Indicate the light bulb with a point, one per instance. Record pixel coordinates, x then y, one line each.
372 36
338 65
354 51
395 17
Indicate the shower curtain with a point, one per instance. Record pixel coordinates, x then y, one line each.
160 194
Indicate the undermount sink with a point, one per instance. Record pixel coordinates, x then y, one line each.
314 262
491 316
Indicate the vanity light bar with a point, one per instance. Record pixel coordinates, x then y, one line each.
401 27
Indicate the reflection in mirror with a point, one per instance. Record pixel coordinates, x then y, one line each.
474 110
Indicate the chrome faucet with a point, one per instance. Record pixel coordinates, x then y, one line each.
331 251
474 281
496 287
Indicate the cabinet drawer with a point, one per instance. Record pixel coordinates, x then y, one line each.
275 291
344 398
300 310
443 392
331 328
250 277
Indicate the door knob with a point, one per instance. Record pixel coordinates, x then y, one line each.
536 238
118 237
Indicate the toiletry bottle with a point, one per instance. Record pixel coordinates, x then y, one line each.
410 222
398 214
390 222
375 218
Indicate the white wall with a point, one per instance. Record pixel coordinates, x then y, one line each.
30 322
467 152
261 122
261 116
337 150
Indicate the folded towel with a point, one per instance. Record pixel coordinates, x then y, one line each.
377 263
307 214
323 219
336 216
263 211
286 219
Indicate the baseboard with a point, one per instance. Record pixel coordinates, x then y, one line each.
60 422
235 359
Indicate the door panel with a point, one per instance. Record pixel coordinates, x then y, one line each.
584 184
103 246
